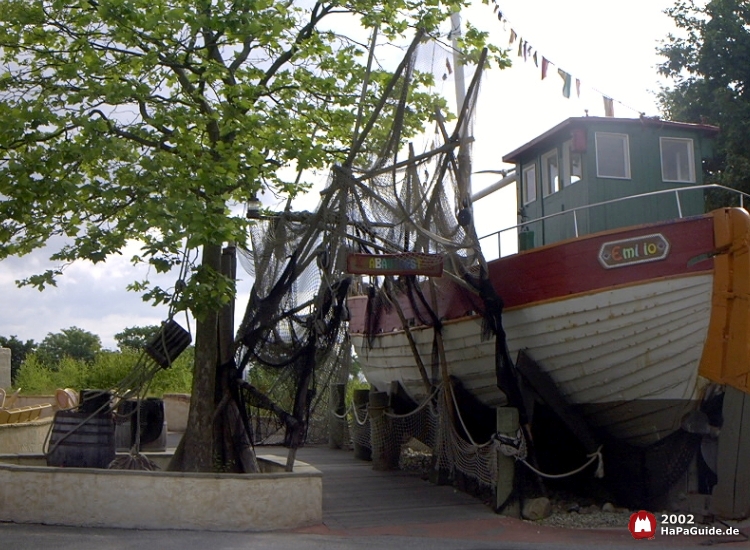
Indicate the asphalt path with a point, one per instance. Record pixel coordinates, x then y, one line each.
362 509
30 537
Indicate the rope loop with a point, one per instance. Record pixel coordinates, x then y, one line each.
512 446
356 416
516 447
342 416
593 457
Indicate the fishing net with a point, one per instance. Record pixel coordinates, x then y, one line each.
400 211
427 439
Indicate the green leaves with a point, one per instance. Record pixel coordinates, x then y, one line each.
43 280
709 63
126 120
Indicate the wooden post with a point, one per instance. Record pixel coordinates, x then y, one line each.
5 370
730 498
226 317
382 454
360 402
337 408
507 425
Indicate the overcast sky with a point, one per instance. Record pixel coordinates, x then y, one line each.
609 46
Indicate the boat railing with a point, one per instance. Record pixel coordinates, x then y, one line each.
573 212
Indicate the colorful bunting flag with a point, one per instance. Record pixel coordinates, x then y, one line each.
525 50
566 82
609 106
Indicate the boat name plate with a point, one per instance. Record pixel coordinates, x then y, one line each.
409 263
636 250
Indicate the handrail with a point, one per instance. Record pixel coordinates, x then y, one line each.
675 190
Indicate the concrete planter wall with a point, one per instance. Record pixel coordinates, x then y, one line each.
161 500
24 437
176 407
4 368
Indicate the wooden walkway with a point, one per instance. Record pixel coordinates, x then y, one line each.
356 496
359 503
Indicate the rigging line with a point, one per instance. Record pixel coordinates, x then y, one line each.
370 174
386 94
426 233
365 85
425 193
425 402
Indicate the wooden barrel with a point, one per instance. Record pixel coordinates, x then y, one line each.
151 420
95 401
78 441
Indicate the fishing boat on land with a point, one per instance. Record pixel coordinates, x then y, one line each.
624 293
624 311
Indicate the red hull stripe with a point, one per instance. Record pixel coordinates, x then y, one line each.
568 268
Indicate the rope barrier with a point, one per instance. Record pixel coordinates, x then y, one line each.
513 446
517 448
596 455
421 406
463 425
356 416
342 416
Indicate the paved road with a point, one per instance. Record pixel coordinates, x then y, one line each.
362 509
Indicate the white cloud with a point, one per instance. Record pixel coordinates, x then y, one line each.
92 297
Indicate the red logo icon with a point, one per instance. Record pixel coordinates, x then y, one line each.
642 525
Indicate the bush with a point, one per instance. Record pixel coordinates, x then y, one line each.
34 377
109 370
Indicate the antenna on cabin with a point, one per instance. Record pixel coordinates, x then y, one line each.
458 66
464 150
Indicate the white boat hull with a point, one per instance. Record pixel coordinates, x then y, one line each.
605 350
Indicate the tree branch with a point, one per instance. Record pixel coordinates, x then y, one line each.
305 33
131 136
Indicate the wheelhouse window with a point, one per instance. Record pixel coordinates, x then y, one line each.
677 160
550 173
572 168
612 155
529 184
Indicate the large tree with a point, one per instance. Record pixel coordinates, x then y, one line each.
153 120
709 61
135 338
69 342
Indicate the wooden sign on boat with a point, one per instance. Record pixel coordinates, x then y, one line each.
408 263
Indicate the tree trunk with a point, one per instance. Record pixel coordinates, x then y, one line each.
196 450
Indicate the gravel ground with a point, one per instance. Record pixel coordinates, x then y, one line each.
574 516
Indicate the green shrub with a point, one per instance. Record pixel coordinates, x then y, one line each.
176 379
108 370
34 377
355 383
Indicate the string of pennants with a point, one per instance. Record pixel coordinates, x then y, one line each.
529 53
